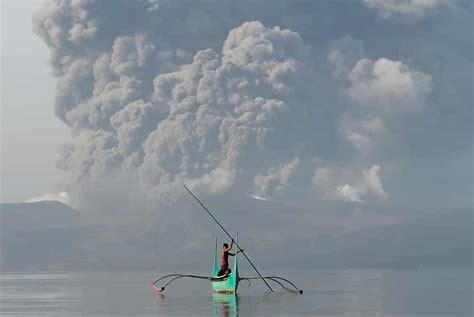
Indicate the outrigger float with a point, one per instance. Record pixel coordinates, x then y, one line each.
228 283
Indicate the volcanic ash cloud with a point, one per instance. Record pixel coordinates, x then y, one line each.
165 116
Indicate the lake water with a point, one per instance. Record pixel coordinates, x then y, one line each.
326 293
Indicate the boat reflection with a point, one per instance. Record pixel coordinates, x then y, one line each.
225 305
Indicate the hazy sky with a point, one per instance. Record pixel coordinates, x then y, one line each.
362 101
30 132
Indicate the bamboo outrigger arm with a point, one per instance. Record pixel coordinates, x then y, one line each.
174 277
277 280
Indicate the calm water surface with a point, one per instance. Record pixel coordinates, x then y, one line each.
326 293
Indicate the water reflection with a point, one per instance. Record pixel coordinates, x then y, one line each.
327 293
225 305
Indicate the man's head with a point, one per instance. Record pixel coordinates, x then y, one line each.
225 246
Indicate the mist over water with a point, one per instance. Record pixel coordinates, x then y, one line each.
326 293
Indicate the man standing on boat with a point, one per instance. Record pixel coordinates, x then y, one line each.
225 258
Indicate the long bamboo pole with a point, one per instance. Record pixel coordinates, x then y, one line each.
227 233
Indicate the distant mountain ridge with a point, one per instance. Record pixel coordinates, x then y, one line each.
43 214
437 241
50 235
40 235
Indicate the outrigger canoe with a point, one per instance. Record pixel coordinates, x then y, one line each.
228 283
224 284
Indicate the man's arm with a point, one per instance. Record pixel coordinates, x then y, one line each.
231 244
233 254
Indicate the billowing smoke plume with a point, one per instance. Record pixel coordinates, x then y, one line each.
142 106
161 93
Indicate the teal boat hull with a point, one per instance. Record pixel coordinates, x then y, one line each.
228 284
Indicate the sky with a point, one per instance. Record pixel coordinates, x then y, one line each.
116 104
30 133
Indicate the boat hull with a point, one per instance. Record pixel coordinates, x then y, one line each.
228 284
